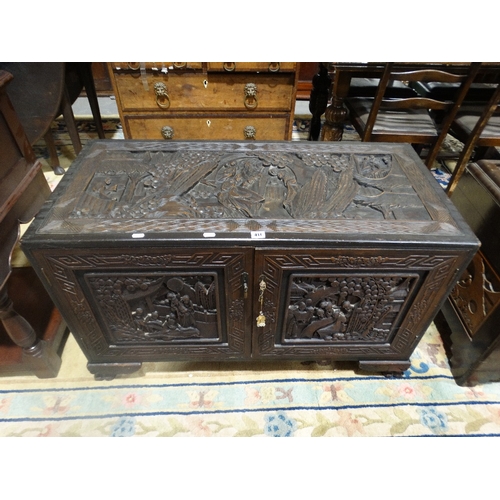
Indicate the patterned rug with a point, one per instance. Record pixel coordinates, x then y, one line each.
241 400
257 399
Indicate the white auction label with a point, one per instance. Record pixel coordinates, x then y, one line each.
209 235
257 235
138 235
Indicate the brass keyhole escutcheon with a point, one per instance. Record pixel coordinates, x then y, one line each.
261 318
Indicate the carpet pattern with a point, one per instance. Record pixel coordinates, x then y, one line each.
294 399
231 399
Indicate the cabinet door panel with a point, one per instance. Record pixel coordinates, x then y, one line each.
153 304
349 304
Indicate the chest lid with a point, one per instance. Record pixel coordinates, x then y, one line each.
259 191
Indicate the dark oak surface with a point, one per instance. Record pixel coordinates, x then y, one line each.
230 250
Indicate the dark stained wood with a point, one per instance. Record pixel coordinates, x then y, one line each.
411 119
157 250
24 345
477 126
473 308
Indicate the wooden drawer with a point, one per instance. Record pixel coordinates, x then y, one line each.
208 127
170 66
252 66
199 91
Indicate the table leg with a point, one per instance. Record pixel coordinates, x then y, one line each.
335 117
318 101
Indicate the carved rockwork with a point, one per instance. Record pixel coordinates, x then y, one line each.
344 308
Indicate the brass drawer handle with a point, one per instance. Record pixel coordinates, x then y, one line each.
179 65
250 96
161 95
249 132
167 132
274 67
229 66
134 66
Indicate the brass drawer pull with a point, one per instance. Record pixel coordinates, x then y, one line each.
229 66
167 132
161 95
134 65
179 65
249 132
250 96
274 67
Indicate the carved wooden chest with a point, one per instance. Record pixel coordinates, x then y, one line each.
159 251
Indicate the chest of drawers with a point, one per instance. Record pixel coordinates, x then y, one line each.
205 101
215 251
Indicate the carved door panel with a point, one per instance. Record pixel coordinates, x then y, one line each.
154 304
345 304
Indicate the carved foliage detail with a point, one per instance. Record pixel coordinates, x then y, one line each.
257 184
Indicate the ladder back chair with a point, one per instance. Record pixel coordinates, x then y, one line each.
417 120
477 126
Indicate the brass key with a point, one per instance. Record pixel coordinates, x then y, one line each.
261 319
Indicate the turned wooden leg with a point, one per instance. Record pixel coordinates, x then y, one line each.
318 101
44 362
335 117
54 159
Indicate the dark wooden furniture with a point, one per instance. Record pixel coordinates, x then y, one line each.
417 120
344 73
157 250
41 92
205 101
477 125
31 329
473 309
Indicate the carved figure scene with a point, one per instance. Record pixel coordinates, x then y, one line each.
157 308
345 309
250 184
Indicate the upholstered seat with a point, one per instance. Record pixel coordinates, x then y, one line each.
479 92
407 121
367 87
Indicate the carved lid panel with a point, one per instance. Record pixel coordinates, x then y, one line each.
257 191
